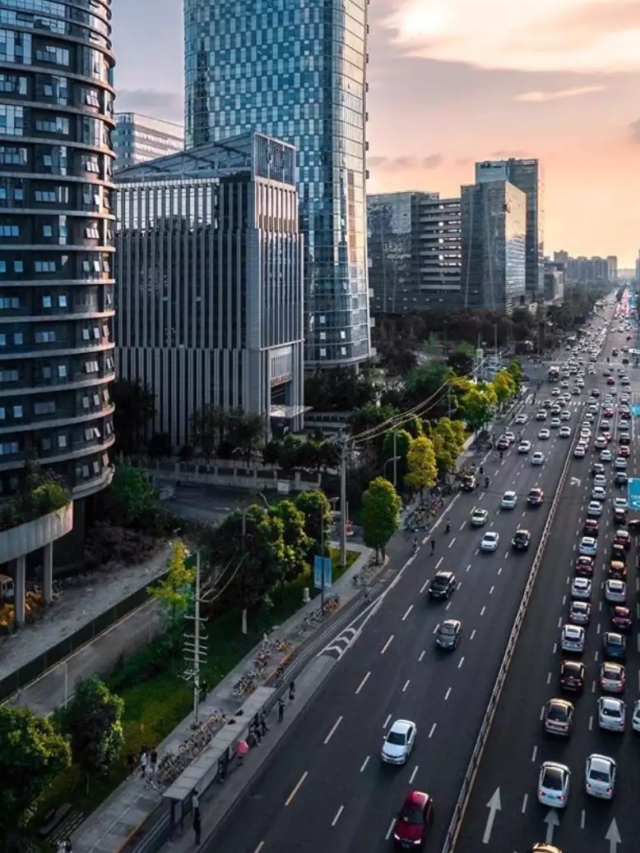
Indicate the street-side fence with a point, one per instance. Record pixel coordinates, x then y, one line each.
485 728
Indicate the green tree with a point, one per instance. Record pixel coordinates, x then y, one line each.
421 465
425 382
381 507
208 428
476 407
130 495
33 753
93 722
245 431
448 440
316 508
504 387
296 542
514 368
175 591
135 409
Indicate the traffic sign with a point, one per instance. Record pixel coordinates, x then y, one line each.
633 493
635 410
322 572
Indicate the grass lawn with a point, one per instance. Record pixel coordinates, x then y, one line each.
155 707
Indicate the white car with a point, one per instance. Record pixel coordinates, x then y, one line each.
554 784
572 639
635 717
615 591
620 503
541 415
509 500
555 423
479 517
580 450
565 432
544 434
399 742
566 415
600 480
490 541
612 714
594 509
581 589
537 458
521 418
600 776
620 464
605 456
598 493
524 447
600 443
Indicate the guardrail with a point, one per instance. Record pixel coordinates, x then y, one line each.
485 728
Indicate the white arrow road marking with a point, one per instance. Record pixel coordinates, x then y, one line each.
494 805
552 821
613 836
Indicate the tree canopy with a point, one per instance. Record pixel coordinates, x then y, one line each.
421 464
381 507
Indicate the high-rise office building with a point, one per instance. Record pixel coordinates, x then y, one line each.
527 176
594 271
296 71
209 282
139 138
56 241
494 220
414 252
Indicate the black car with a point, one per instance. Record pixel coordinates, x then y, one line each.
621 478
624 439
591 527
595 392
468 483
442 585
597 468
618 553
572 676
521 540
448 634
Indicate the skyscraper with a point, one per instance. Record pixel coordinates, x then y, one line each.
295 70
138 138
527 176
56 241
494 215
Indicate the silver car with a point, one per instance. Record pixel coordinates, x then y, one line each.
612 714
399 742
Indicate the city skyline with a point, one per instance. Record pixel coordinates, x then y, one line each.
556 83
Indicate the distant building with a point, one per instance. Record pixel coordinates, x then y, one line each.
638 268
209 280
527 176
494 218
138 138
554 275
588 271
414 252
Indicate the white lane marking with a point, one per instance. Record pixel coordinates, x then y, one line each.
447 694
439 563
409 609
463 525
500 570
425 540
582 818
435 630
452 541
425 585
421 656
541 714
473 633
481 496
460 662
337 817
560 622
469 566
432 730
335 726
363 682
386 722
591 723
555 648
491 590
482 611
289 799
593 687
598 628
388 835
259 847
548 678
524 803
364 763
596 656
408 682
534 753
564 601
413 775
386 645
448 605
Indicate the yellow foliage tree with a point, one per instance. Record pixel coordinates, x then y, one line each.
421 465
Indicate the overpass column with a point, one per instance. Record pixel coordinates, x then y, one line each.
21 571
47 574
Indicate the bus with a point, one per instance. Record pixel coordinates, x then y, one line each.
554 373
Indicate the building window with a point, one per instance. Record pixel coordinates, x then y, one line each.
9 375
3 266
3 413
91 98
56 124
51 53
9 302
18 339
62 371
46 372
45 444
45 337
18 266
13 84
62 441
17 411
47 231
92 232
45 266
91 164
91 367
85 402
11 156
45 407
11 120
9 230
47 196
7 448
46 302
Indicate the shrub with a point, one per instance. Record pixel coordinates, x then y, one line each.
41 500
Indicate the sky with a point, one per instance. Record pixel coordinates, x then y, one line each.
456 81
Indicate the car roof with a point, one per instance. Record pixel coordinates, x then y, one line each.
601 761
402 726
574 629
455 623
611 702
443 573
573 664
490 534
416 798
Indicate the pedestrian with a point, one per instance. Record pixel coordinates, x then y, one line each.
433 545
195 801
62 846
292 691
153 761
197 825
280 710
144 760
263 723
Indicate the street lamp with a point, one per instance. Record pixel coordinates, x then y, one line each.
393 459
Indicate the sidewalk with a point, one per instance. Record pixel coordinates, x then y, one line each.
133 803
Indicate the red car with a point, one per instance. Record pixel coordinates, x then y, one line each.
611 381
624 451
621 619
584 567
608 412
412 825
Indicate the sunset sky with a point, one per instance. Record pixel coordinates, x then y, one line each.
455 81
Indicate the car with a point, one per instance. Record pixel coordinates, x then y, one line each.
510 436
597 468
521 418
554 784
600 443
620 503
623 452
490 541
600 776
479 517
584 566
442 585
611 380
607 411
588 546
537 458
612 677
572 639
605 425
598 493
579 451
581 589
558 717
541 415
620 463
614 646
615 591
503 443
449 634
555 423
606 456
618 553
635 716
565 415
398 743
616 570
509 500
594 509
579 612
591 527
521 540
565 432
612 714
621 619
544 434
524 447
576 390
535 497
468 483
572 676
412 824
623 538
585 434
599 480
621 478
624 439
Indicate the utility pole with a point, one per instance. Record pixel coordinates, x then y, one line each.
343 503
322 554
193 650
395 460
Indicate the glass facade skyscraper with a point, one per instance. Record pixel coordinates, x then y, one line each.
295 69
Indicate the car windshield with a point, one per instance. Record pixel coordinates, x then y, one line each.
412 815
599 775
609 711
447 629
552 779
397 738
557 712
439 581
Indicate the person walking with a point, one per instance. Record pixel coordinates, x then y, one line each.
292 691
433 545
144 760
195 801
153 762
263 723
280 710
197 826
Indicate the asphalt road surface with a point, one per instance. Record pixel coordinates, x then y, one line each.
517 745
326 787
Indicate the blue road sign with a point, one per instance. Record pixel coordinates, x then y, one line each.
635 410
633 493
322 572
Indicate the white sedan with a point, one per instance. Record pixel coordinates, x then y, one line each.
566 415
580 450
509 500
565 432
490 541
572 639
524 447
615 591
598 493
554 785
600 776
399 742
635 717
521 418
612 714
594 509
537 458
479 517
605 456
544 434
581 589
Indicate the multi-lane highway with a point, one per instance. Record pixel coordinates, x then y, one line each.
503 812
326 784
